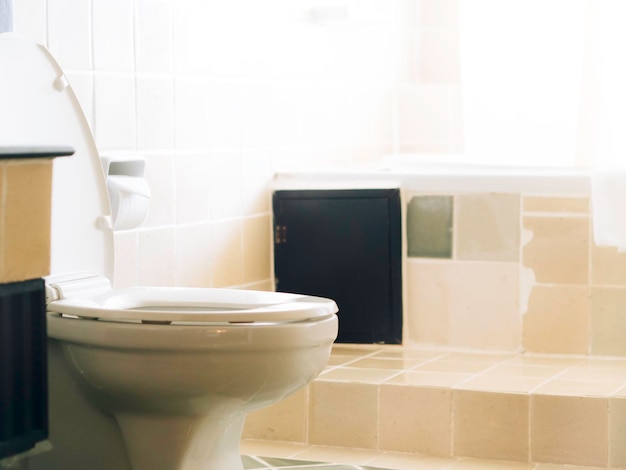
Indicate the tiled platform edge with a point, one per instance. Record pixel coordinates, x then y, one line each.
551 409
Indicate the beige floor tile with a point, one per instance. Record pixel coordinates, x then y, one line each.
397 461
358 375
569 430
579 388
271 448
409 354
454 367
415 420
491 425
479 464
428 379
608 370
546 360
554 466
524 370
477 358
343 455
387 363
341 360
501 383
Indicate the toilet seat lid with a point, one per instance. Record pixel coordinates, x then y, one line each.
194 305
39 108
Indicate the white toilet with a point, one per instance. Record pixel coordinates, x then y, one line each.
143 378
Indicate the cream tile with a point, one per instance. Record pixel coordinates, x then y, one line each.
608 322
256 249
552 466
501 383
340 360
464 304
545 360
477 358
478 464
573 205
488 227
283 421
569 430
580 388
387 363
343 414
617 432
454 367
193 194
227 262
601 370
608 266
354 375
126 259
415 420
524 370
558 251
557 320
160 174
491 425
428 379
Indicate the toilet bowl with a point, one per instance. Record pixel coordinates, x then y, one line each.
147 377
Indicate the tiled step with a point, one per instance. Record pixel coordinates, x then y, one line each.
514 407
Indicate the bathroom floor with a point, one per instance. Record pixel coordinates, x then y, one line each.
291 456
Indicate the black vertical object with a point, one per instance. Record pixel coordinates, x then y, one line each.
23 366
345 245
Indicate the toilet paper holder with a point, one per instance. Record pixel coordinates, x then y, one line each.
129 193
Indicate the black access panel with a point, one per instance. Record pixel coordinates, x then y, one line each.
345 245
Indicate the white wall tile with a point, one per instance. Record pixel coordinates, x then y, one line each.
153 36
225 184
191 37
191 114
193 256
193 188
113 45
224 115
115 121
29 19
157 257
160 176
155 113
71 46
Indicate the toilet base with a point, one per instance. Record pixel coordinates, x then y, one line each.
182 442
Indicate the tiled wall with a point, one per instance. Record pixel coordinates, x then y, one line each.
218 95
512 272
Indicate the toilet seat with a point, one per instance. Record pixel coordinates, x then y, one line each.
194 305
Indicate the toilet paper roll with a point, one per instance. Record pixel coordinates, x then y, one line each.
130 201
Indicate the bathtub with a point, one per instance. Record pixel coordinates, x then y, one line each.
443 174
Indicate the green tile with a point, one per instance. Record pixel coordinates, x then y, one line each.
281 463
251 463
429 227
